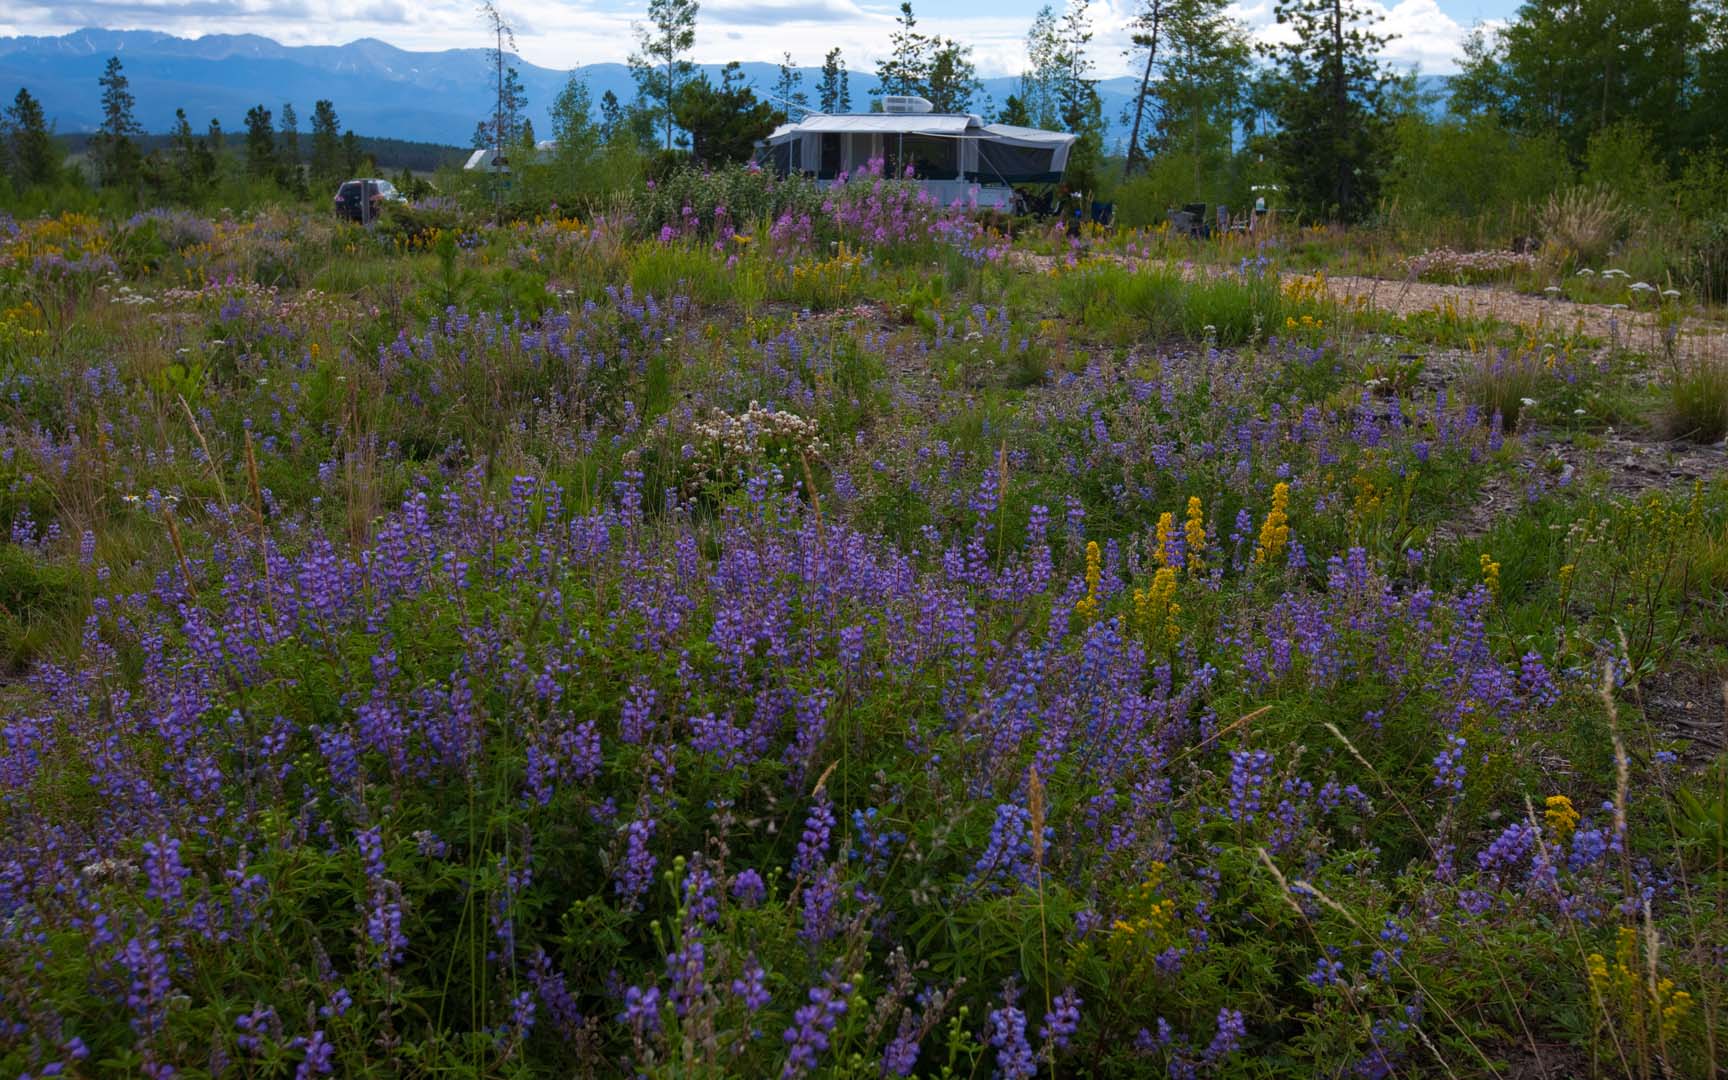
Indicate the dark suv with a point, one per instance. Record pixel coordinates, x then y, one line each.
376 193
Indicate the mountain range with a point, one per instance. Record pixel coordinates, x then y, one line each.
377 88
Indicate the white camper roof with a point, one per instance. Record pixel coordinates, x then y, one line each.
885 123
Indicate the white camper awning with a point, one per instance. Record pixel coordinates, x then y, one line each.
882 124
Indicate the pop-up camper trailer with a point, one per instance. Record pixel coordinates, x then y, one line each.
956 157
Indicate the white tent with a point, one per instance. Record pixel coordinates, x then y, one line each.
490 160
957 157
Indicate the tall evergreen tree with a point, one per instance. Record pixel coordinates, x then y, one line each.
952 82
503 128
118 161
906 68
834 91
659 64
261 160
31 154
326 143
1327 93
288 151
353 157
194 165
612 123
789 95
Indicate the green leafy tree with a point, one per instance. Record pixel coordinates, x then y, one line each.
659 64
1200 97
577 137
1041 81
116 155
31 155
326 143
724 121
261 160
1580 66
1013 111
1327 93
834 89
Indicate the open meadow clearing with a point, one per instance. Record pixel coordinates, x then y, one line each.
757 631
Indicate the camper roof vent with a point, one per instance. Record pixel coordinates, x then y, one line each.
899 103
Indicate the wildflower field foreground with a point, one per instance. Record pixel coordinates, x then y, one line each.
759 633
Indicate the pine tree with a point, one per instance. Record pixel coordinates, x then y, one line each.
288 152
659 65
31 155
1328 96
1146 31
834 91
194 166
611 117
352 155
573 129
724 121
326 143
906 69
952 81
789 94
116 154
1079 107
261 160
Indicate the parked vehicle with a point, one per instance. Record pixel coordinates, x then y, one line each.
349 204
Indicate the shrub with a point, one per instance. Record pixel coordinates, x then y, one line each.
1698 400
1581 225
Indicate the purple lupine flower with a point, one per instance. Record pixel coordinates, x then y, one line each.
752 987
1449 765
1228 1040
1062 1021
1008 854
748 889
1014 1058
641 1009
812 1025
1249 771
636 871
320 1059
812 850
163 870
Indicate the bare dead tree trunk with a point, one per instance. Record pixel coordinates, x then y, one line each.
1151 42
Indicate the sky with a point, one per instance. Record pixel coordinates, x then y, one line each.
570 33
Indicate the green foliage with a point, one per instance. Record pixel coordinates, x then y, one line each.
1698 399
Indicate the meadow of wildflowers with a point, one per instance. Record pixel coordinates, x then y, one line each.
824 636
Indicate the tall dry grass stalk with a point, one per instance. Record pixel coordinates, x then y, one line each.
1581 225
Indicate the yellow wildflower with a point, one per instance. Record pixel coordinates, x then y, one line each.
1275 532
1087 608
1491 575
1166 529
1155 608
1561 816
1195 532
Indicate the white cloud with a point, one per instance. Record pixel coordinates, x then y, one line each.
571 32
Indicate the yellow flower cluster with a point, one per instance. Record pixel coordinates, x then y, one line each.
1306 322
1156 917
1166 530
1562 817
1155 608
1621 986
20 327
1195 532
1306 289
1491 574
1087 607
1275 532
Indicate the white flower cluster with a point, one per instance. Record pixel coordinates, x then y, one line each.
1445 261
727 445
757 431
